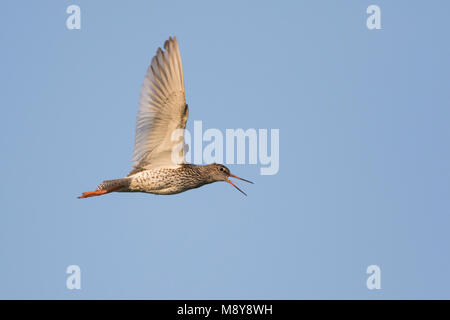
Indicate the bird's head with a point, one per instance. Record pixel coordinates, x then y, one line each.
219 172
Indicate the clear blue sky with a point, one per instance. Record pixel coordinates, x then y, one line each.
364 157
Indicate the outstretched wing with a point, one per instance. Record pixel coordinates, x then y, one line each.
162 110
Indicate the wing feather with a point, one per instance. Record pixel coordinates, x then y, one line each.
162 110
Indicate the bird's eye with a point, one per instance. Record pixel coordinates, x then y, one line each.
222 169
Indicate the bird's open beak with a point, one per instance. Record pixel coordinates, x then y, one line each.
232 175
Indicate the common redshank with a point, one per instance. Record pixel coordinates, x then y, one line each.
162 113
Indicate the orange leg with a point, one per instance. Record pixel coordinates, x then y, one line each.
98 192
92 193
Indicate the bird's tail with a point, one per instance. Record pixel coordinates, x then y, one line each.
108 186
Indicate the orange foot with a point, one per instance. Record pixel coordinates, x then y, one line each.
93 193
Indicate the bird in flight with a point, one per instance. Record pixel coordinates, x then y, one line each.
159 151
